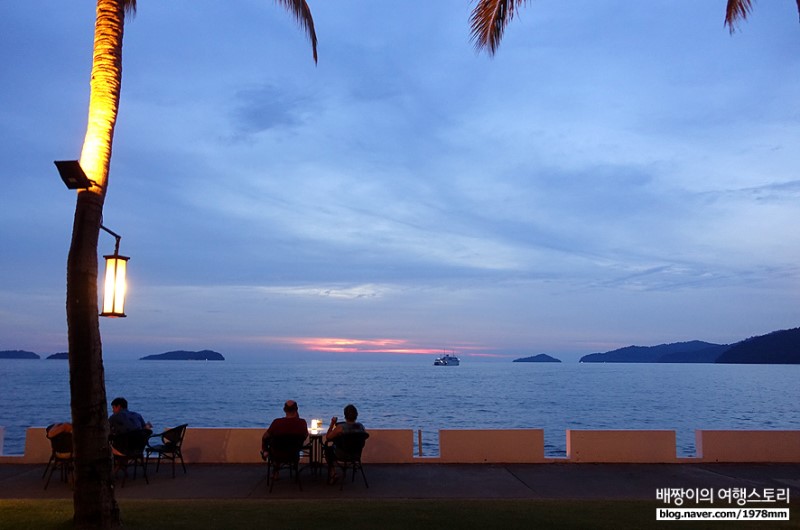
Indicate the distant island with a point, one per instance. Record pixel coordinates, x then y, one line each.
18 354
695 351
778 347
181 355
541 358
59 355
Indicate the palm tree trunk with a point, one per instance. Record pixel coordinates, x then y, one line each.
94 501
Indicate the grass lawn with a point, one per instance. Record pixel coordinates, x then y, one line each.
354 515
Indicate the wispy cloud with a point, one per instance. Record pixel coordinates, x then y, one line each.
343 292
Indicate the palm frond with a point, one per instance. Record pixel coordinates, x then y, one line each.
302 14
130 7
737 10
488 21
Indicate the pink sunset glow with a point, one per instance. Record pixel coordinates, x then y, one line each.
345 345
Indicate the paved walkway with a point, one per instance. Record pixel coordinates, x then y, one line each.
428 481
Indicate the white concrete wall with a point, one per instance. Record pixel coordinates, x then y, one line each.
37 446
222 445
491 446
389 446
748 446
396 446
618 446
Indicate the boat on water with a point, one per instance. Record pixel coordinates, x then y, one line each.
447 360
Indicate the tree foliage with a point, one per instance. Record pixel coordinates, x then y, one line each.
490 17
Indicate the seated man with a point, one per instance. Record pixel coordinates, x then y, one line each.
335 430
291 423
124 421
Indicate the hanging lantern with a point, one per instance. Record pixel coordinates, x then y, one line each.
114 293
115 285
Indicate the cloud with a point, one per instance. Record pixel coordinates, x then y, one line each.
268 107
343 292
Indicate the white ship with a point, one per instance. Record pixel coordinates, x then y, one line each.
447 360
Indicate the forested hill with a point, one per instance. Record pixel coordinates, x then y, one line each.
18 354
695 351
778 347
541 358
180 355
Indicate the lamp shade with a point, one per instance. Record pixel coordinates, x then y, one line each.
114 292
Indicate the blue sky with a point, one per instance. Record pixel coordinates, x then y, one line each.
620 173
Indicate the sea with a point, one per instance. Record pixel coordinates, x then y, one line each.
414 394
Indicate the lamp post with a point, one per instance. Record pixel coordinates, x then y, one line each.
115 284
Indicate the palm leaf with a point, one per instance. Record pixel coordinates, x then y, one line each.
302 13
735 11
490 17
130 7
488 21
738 10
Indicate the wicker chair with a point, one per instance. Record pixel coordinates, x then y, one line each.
128 448
345 451
169 448
283 451
60 457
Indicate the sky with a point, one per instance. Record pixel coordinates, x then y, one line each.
620 173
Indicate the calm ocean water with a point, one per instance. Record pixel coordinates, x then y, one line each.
413 394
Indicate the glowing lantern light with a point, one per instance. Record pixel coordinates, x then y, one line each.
115 286
315 425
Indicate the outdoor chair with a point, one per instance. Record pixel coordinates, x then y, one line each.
128 448
346 453
60 456
283 451
169 448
